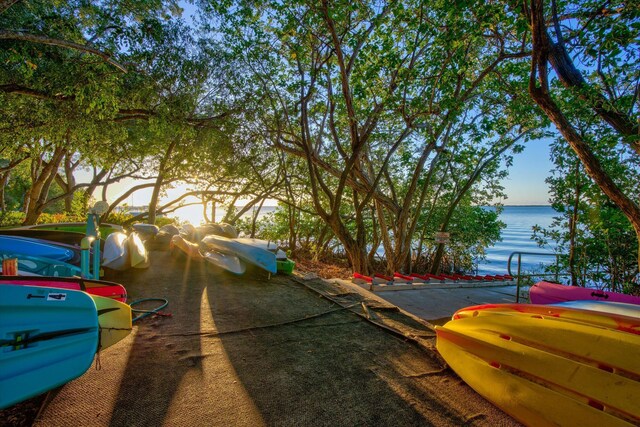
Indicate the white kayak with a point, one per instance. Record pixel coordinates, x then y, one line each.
137 252
263 244
116 252
227 262
252 254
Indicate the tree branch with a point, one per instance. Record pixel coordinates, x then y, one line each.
9 35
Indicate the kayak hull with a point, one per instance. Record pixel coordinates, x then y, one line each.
39 248
58 330
257 256
114 318
94 287
139 257
192 250
551 293
78 227
32 265
116 252
230 263
546 369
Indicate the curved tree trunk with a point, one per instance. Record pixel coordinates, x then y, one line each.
153 203
540 94
42 178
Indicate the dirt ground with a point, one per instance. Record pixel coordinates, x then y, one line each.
252 351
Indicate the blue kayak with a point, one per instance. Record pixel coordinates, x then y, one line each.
42 266
48 337
37 248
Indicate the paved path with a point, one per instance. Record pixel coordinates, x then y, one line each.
435 304
247 351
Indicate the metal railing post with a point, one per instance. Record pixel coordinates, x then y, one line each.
85 256
518 278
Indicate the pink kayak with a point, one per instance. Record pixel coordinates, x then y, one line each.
93 287
552 293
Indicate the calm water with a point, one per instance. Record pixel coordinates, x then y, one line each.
517 238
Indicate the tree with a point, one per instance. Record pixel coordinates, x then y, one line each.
366 95
603 40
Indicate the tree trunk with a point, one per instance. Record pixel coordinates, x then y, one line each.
540 94
573 227
42 180
153 203
254 219
70 184
213 210
4 178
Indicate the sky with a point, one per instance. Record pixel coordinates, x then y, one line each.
526 182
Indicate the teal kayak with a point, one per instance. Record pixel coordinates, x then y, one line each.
42 266
48 337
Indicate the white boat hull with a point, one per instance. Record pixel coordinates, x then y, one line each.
251 254
116 252
227 262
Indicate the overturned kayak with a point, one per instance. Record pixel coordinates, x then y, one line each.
116 252
94 287
139 257
263 244
251 254
146 230
190 249
551 293
228 262
560 367
37 353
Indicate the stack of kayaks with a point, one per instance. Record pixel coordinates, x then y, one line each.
49 336
550 365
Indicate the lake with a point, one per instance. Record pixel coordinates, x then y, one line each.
516 237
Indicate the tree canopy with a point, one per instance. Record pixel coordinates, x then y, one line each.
374 124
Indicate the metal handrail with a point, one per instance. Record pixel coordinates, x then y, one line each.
519 273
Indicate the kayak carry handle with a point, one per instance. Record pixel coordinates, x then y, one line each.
599 295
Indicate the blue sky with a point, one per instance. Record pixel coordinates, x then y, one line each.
526 182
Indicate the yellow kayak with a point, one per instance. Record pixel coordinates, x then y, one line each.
548 368
114 319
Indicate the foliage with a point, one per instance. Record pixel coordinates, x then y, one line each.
599 239
11 218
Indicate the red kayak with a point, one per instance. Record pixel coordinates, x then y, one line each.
552 293
93 287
